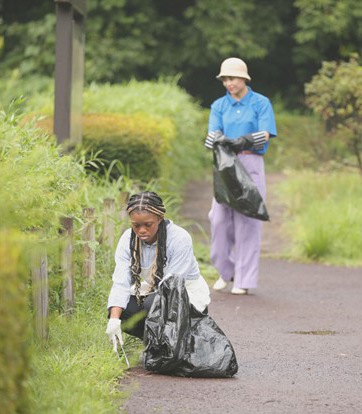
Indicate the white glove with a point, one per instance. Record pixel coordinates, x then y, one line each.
114 331
209 142
212 137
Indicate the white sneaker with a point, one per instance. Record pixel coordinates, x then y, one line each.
239 291
220 284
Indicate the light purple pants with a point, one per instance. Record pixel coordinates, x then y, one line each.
235 238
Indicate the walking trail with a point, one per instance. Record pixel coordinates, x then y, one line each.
297 337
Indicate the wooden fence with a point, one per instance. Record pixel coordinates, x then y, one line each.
39 265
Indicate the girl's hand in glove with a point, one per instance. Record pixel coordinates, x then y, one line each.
114 331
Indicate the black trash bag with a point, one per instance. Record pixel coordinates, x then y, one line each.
233 185
182 341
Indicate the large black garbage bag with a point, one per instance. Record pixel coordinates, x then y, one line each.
182 341
233 185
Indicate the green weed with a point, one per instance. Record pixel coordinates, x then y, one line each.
324 216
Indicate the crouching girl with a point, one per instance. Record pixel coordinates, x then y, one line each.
151 249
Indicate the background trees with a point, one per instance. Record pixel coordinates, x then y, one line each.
335 93
283 42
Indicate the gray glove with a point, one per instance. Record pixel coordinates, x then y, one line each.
114 332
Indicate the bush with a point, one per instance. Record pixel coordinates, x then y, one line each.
14 353
335 93
142 142
160 101
36 183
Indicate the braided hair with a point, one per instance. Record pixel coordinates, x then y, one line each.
152 203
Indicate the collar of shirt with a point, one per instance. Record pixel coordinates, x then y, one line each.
243 101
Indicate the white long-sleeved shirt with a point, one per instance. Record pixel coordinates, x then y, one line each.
180 261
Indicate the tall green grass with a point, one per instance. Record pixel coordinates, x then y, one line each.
76 370
325 216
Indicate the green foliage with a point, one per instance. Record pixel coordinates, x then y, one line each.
324 217
137 141
76 371
29 47
327 29
230 28
165 107
36 184
202 254
145 40
335 93
14 85
161 99
14 352
303 142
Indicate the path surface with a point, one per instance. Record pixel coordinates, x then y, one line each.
287 362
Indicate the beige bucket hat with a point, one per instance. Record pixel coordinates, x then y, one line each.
234 67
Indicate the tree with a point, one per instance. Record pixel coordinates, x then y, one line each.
335 93
146 39
326 30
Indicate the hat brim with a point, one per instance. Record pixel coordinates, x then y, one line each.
243 75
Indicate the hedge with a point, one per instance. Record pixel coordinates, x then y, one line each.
159 100
14 353
141 142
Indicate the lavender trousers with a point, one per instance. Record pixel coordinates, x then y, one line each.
235 238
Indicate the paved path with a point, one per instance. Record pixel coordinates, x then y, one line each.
297 338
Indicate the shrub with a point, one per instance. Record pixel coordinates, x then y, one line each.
36 183
159 100
164 99
335 93
142 142
14 353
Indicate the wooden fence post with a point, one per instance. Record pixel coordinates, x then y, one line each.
123 201
107 236
122 213
89 240
39 272
67 263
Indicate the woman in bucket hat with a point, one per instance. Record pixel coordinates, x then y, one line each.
235 238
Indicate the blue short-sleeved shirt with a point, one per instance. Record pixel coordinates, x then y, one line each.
253 113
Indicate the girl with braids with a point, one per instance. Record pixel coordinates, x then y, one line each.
151 249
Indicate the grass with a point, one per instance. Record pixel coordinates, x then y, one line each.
76 370
324 216
202 254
